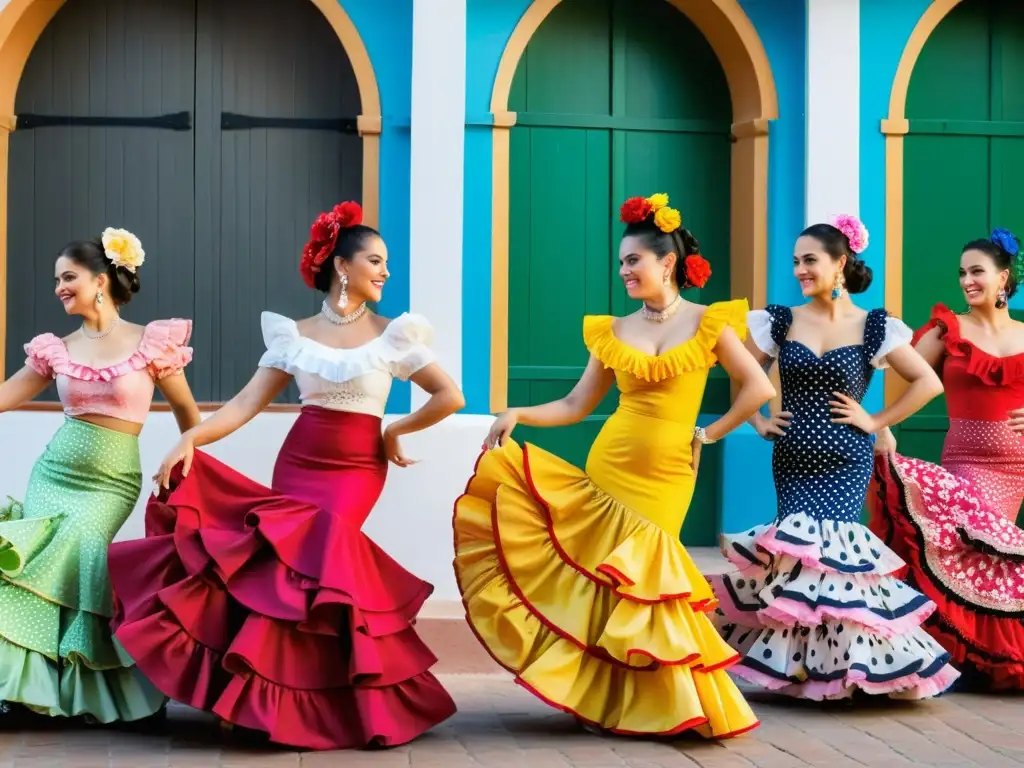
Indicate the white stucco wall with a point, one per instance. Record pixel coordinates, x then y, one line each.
412 521
833 109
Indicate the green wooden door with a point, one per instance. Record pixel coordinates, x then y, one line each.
613 98
963 166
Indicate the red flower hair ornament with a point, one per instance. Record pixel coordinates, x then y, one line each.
323 237
636 210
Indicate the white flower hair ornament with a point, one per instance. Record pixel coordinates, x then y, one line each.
123 248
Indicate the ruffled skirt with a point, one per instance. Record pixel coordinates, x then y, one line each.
966 555
271 609
596 610
57 656
816 611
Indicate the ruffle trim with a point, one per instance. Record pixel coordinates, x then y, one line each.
163 350
402 350
982 633
596 610
992 370
284 619
809 623
695 354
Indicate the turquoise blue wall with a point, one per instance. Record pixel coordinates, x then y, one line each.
885 27
748 491
386 29
490 23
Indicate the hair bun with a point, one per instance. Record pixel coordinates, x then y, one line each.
857 275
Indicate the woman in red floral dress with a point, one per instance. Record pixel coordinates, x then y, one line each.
954 524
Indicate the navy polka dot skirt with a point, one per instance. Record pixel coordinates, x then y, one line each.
815 609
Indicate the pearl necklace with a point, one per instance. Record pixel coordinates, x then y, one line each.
101 334
334 317
661 315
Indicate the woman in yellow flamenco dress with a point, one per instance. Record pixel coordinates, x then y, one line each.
577 582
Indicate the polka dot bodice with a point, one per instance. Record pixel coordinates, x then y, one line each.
822 469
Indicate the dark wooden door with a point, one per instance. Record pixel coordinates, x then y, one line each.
259 135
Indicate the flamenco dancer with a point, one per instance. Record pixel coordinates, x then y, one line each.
954 524
57 656
815 609
576 582
271 608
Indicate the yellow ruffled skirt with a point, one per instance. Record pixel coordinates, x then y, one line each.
596 610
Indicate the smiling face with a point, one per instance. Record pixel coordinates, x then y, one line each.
814 268
981 280
367 270
75 286
642 272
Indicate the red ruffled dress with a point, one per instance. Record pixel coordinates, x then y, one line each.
954 524
270 607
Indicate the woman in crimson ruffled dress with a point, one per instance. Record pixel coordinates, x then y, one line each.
271 608
954 524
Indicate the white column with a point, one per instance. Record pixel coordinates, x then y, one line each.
833 108
438 132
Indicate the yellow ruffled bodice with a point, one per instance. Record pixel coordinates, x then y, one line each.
642 455
590 601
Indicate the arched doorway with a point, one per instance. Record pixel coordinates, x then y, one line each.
963 159
641 105
215 141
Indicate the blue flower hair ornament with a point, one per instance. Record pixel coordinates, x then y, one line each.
1010 243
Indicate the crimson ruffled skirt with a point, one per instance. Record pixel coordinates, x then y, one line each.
271 608
964 554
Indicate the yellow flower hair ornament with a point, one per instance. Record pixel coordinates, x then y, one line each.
123 248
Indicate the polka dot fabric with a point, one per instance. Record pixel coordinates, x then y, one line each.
955 524
815 609
57 655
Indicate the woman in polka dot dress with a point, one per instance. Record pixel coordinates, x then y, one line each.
815 610
954 524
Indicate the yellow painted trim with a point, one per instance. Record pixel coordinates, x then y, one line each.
754 102
23 21
895 126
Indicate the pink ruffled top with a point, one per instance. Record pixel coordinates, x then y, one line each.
979 386
122 391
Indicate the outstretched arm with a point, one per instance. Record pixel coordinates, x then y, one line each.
261 390
571 409
22 387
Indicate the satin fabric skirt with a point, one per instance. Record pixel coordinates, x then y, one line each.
271 608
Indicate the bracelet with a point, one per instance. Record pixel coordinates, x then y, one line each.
701 436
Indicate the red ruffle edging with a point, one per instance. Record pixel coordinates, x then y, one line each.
991 644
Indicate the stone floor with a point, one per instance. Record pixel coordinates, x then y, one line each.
499 724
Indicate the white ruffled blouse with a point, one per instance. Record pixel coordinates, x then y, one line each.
897 334
357 380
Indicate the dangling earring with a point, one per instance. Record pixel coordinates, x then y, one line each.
1001 299
666 280
99 298
343 295
837 286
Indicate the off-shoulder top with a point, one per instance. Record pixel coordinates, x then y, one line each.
122 391
358 379
979 385
768 332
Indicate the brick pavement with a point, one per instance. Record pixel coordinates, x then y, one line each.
501 725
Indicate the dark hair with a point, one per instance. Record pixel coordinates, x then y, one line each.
350 241
681 242
856 273
91 255
1002 258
